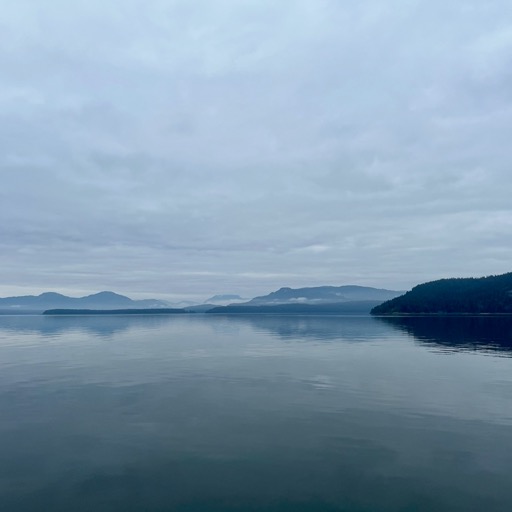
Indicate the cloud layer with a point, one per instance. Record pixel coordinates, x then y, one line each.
176 148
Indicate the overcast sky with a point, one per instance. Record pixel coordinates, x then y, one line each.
180 149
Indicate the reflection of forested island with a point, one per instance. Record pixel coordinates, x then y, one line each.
485 295
488 333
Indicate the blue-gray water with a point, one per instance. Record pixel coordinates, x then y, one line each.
211 414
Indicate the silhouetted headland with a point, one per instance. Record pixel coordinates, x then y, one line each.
473 296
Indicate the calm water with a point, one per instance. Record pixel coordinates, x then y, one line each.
207 414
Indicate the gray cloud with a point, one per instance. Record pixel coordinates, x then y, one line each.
189 148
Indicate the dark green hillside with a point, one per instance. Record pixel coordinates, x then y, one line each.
489 295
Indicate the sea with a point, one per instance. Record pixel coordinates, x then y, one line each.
207 413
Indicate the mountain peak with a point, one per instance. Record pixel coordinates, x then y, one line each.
107 294
224 299
101 300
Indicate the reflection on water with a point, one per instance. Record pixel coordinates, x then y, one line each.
203 413
100 325
458 333
286 327
293 327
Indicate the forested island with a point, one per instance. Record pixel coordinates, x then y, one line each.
485 295
362 307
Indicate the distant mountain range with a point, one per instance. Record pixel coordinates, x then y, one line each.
50 300
319 300
484 295
313 300
323 295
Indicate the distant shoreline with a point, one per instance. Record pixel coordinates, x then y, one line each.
82 312
254 312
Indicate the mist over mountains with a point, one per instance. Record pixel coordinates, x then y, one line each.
329 299
225 299
325 300
324 295
486 295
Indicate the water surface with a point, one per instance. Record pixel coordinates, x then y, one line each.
200 413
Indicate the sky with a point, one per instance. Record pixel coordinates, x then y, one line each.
179 149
